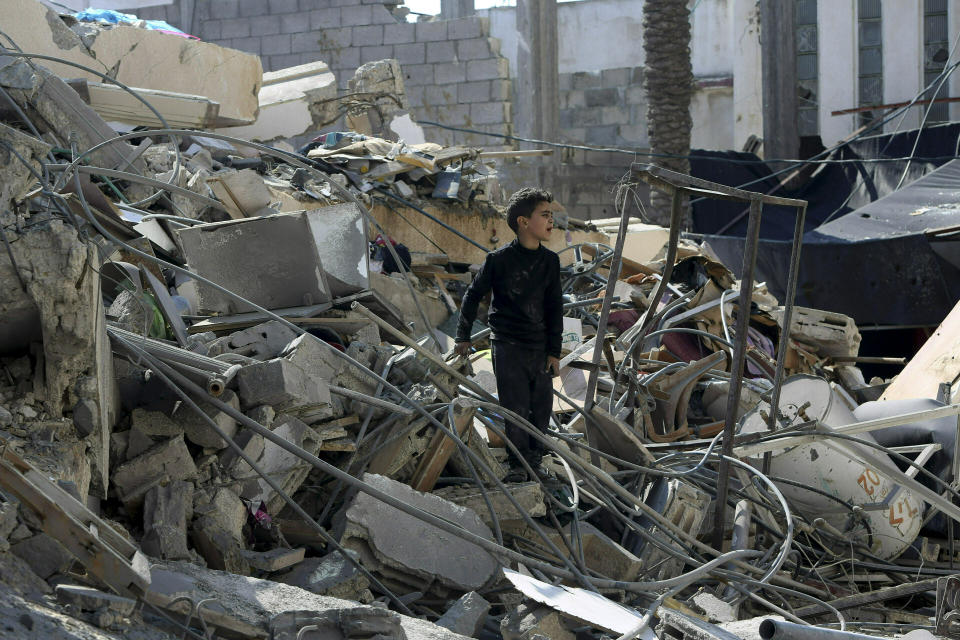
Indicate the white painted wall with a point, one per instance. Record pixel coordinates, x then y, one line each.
712 112
902 57
747 73
607 34
837 60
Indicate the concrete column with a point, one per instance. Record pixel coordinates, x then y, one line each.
747 73
781 138
902 29
953 22
837 61
536 89
453 9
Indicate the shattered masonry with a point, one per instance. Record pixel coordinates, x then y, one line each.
229 402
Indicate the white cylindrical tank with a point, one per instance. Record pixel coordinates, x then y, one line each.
894 514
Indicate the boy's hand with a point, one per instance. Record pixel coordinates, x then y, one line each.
462 348
553 366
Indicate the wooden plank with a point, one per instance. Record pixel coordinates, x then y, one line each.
441 448
935 363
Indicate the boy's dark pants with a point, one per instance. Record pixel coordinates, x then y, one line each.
524 387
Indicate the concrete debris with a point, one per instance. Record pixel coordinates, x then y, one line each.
305 296
467 615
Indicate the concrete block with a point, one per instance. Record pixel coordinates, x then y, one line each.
284 386
198 431
166 511
580 117
393 541
265 26
602 97
399 33
224 8
474 49
635 134
409 54
466 28
489 112
293 23
368 36
308 42
614 115
332 575
282 6
606 556
635 95
210 30
356 15
467 615
327 19
450 73
489 69
417 74
615 78
470 92
530 620
443 51
286 469
250 45
315 359
282 61
565 82
604 135
147 429
83 598
44 555
251 8
637 76
276 45
166 462
574 99
283 250
586 80
500 90
234 28
431 31
218 548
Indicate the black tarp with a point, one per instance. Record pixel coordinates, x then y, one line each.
866 252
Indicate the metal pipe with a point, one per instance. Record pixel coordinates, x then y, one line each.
171 354
370 400
771 629
737 365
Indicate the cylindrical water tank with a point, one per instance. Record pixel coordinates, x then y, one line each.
894 514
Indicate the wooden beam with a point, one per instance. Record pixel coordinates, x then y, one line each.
441 448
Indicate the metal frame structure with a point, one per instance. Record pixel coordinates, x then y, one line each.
679 185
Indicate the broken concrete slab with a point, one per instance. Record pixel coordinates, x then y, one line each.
332 575
255 602
382 81
217 530
166 462
286 469
227 76
243 193
293 101
603 555
284 250
89 599
393 541
166 511
260 342
467 615
196 428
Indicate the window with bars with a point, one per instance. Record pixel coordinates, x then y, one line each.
805 23
936 50
870 69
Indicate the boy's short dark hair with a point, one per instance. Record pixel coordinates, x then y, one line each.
523 202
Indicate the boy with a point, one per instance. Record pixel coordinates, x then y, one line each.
526 315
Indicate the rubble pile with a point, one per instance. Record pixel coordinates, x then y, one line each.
229 407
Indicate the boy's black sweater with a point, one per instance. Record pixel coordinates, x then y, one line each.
527 305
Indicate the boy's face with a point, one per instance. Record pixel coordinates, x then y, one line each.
540 223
